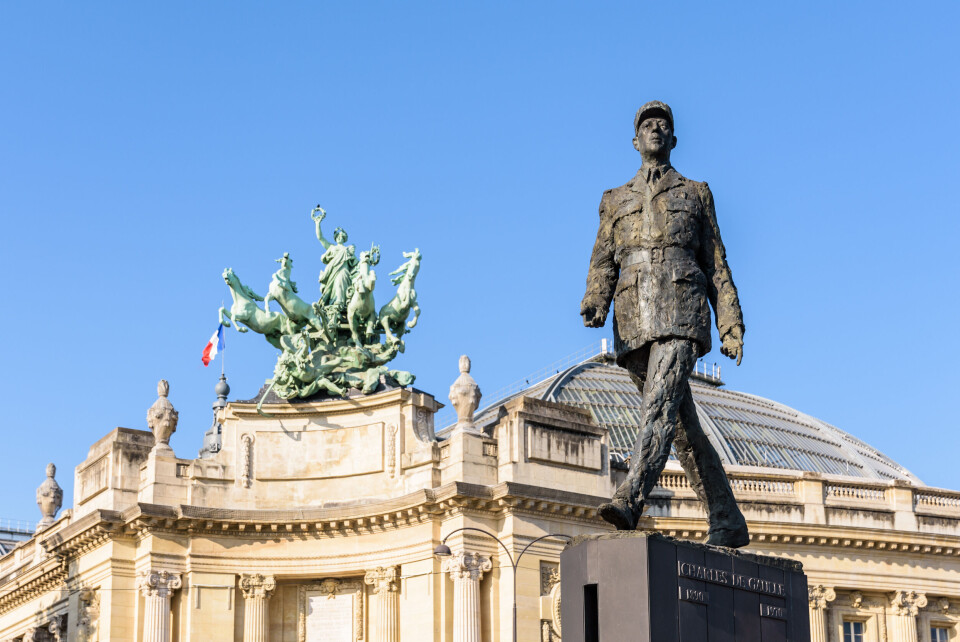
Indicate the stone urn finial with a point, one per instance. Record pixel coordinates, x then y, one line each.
162 420
49 498
465 395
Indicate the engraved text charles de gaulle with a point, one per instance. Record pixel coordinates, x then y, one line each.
729 578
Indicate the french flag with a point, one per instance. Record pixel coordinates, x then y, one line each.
214 345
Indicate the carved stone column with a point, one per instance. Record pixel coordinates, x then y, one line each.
386 586
905 606
819 597
257 589
157 587
466 570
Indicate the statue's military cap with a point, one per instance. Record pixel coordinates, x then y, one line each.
653 108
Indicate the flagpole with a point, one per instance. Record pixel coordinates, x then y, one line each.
223 357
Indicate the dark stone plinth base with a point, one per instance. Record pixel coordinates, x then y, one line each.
645 587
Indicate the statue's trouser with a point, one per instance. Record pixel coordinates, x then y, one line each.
670 417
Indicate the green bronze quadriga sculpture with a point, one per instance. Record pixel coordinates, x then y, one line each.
340 342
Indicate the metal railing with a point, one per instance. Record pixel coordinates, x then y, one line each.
17 527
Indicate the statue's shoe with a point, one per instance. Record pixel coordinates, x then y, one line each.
729 538
619 514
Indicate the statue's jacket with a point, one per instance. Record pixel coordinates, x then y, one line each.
660 259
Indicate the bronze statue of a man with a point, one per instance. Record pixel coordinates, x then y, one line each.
659 256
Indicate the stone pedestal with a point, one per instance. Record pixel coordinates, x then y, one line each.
466 570
646 587
386 588
157 587
257 590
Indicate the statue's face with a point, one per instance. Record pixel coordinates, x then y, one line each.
655 136
340 237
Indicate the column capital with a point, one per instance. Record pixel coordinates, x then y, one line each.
819 596
158 583
462 566
383 579
908 602
257 585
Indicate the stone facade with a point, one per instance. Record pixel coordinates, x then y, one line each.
326 516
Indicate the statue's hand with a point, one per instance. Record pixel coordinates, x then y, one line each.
733 344
593 315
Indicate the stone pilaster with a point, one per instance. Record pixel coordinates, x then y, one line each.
257 589
157 587
819 597
386 586
466 570
905 605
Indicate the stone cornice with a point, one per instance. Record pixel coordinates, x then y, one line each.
358 518
37 581
445 502
89 532
449 500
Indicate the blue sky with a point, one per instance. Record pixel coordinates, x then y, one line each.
144 149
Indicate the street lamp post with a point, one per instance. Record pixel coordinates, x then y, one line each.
444 551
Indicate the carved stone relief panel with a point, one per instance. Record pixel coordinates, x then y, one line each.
331 611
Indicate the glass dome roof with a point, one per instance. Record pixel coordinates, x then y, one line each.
745 429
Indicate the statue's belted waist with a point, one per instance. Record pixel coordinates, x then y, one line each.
636 255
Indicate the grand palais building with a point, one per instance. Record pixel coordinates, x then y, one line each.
319 520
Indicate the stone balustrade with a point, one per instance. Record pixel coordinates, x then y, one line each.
818 494
855 492
937 502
